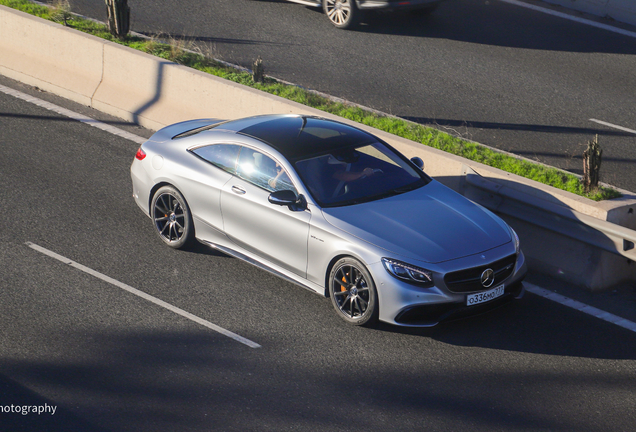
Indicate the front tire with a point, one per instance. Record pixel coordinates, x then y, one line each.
343 14
353 292
171 216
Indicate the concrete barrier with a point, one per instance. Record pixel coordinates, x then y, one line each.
49 56
599 253
154 93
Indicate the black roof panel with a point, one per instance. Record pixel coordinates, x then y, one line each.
299 137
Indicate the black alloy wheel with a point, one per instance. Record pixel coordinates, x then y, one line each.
172 218
353 293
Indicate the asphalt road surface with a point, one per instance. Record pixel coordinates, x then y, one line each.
499 74
108 360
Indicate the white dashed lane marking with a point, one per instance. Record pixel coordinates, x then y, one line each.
604 123
145 296
571 17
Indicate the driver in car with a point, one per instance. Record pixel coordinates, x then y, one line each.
281 176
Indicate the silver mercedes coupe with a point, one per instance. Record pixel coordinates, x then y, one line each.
333 209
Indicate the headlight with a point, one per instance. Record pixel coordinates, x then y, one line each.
515 239
408 273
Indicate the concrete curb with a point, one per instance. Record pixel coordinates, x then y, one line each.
154 93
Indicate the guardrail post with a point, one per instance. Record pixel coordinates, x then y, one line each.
592 158
118 17
62 12
258 70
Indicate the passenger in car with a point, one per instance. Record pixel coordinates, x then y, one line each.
280 178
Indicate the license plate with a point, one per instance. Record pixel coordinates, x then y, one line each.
486 296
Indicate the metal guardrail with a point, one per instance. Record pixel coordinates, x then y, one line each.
551 216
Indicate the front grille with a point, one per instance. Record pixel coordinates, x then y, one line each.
470 280
430 315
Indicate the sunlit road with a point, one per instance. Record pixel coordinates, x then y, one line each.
109 360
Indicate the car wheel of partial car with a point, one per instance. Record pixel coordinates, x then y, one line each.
172 218
342 13
353 292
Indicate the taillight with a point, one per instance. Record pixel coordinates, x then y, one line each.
140 154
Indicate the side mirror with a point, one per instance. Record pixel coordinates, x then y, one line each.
418 161
288 198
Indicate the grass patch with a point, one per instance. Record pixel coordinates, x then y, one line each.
181 52
28 7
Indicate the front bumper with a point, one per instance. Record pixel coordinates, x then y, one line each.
407 305
431 315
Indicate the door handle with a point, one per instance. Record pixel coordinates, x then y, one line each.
238 190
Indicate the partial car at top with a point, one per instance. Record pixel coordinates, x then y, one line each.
333 209
345 14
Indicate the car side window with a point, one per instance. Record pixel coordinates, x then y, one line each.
263 171
221 155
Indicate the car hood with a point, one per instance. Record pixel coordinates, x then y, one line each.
431 224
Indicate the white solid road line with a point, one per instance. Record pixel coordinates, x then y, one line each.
624 129
73 115
582 307
145 296
571 18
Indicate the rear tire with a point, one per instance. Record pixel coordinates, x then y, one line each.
171 216
353 292
343 14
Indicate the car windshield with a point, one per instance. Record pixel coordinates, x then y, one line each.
358 174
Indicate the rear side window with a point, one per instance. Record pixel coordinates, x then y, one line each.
220 155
